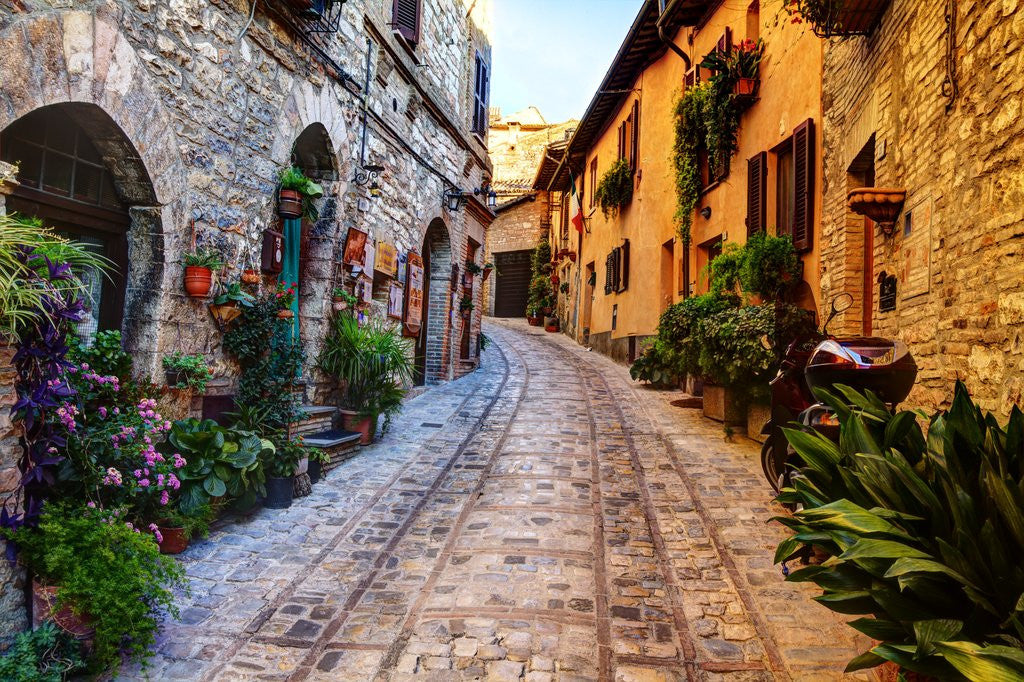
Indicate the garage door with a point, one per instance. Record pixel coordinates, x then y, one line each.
512 283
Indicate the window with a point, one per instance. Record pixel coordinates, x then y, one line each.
794 186
757 189
480 92
616 269
405 19
593 180
629 136
754 20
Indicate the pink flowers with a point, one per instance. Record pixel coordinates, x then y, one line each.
113 477
178 461
156 532
67 413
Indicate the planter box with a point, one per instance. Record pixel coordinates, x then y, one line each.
694 385
856 17
757 416
723 405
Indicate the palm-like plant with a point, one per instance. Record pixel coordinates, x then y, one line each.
26 250
372 361
925 534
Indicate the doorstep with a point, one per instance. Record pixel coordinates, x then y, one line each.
340 445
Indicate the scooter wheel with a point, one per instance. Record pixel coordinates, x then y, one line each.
768 465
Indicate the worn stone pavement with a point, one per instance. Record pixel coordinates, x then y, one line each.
542 519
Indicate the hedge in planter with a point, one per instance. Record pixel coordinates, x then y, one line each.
925 533
615 190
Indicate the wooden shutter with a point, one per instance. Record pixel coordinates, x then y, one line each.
724 45
634 142
480 118
623 266
609 273
692 78
757 191
405 17
803 185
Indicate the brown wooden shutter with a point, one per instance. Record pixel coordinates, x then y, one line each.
803 184
692 77
480 118
609 273
634 143
405 17
623 266
724 45
757 191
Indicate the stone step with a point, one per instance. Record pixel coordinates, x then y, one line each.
316 418
340 445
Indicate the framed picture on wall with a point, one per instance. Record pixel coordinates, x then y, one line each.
387 259
414 296
369 258
355 248
395 300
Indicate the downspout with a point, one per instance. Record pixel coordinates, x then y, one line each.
664 9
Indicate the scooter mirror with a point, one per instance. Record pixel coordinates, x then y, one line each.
766 343
842 303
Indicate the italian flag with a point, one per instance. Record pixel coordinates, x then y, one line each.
575 209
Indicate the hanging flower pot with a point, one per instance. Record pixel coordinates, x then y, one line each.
198 281
224 314
339 304
250 277
746 87
285 314
882 204
289 204
555 279
487 271
173 540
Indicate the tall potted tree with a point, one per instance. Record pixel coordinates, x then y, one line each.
373 364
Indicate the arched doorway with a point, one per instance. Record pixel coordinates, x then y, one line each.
80 174
432 349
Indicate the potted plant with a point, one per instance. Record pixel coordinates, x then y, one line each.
186 371
615 190
199 267
552 325
832 18
176 528
296 195
280 467
466 307
373 364
533 316
250 276
285 298
488 267
95 565
342 300
744 64
318 459
227 304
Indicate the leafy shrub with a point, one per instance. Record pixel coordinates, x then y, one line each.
104 569
540 259
46 654
615 190
654 366
725 270
770 266
192 370
104 357
541 295
925 533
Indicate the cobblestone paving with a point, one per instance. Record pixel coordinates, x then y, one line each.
560 524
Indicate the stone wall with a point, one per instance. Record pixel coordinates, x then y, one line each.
960 289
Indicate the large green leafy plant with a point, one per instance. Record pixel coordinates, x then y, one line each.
372 362
106 571
293 178
615 190
924 532
46 654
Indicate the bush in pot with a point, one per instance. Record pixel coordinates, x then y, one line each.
924 532
297 193
176 528
373 363
318 459
280 465
199 267
187 371
106 571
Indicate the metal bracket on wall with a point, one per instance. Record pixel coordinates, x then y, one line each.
950 86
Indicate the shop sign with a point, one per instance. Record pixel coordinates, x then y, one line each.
414 296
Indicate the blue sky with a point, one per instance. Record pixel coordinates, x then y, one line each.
553 53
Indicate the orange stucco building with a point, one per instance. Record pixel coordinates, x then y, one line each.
631 266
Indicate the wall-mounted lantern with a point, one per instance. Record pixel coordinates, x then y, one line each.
454 199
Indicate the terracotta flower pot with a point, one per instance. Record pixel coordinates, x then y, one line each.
44 597
286 314
551 328
250 277
546 310
339 304
364 426
487 273
746 86
198 281
289 204
534 321
174 540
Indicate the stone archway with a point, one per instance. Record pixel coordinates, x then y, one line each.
81 60
433 346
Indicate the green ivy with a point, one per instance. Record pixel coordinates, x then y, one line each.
615 190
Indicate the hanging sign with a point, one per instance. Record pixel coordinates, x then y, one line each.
369 256
414 296
395 298
387 259
355 248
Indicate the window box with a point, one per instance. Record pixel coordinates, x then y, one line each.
839 18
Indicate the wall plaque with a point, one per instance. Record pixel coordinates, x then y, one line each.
886 292
916 250
387 259
414 295
355 247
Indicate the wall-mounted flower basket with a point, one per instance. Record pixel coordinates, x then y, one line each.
285 314
840 18
289 204
250 277
882 204
198 281
555 279
487 271
224 314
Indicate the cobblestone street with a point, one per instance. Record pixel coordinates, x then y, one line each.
512 526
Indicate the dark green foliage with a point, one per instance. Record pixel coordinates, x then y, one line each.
47 654
281 461
270 362
770 266
615 190
192 370
540 259
725 270
655 367
689 141
107 570
925 533
221 462
105 356
541 295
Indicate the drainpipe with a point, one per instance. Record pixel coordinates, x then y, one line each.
663 11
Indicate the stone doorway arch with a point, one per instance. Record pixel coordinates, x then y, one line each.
80 62
433 363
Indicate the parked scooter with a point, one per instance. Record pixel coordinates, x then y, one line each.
883 366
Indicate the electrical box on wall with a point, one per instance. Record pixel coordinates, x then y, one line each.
272 256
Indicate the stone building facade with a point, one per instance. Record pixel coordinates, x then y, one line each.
186 112
932 108
518 145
